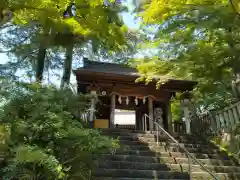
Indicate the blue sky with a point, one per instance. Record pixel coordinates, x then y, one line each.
3 58
128 19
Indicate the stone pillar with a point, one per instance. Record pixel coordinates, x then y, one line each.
112 111
187 120
169 117
93 108
150 113
187 117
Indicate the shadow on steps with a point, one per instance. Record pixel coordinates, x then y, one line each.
140 158
135 159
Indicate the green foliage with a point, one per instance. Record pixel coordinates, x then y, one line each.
4 137
176 110
233 146
197 40
40 27
33 163
46 138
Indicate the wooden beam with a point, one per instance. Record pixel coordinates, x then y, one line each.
131 89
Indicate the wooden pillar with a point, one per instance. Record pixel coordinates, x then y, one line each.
112 111
137 118
143 124
150 113
139 114
169 117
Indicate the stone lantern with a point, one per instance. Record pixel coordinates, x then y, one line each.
185 103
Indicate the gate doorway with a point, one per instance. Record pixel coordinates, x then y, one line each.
125 119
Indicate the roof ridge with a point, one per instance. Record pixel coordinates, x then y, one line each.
87 61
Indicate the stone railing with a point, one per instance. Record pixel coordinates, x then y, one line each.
217 121
228 117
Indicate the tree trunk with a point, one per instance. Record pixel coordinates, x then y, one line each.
67 69
40 62
1 14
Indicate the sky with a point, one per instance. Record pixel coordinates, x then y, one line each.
128 19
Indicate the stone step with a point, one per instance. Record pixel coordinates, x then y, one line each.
153 174
113 130
109 130
165 167
132 132
145 132
166 159
193 150
146 142
129 173
110 178
153 139
173 154
182 140
156 148
215 162
139 153
134 135
130 138
220 176
202 176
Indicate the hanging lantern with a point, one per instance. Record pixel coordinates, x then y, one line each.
136 101
144 100
127 100
120 100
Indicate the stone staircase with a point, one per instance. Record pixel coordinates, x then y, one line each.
139 158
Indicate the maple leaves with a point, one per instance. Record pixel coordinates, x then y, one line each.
197 40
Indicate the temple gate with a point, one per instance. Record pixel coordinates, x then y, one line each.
115 88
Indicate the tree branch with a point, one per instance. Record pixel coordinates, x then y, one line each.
233 7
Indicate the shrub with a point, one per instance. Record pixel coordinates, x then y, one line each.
46 138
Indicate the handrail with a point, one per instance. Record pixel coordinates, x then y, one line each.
183 148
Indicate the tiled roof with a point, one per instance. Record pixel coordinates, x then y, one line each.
93 66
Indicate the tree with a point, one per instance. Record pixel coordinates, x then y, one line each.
40 15
57 28
199 40
124 56
111 38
